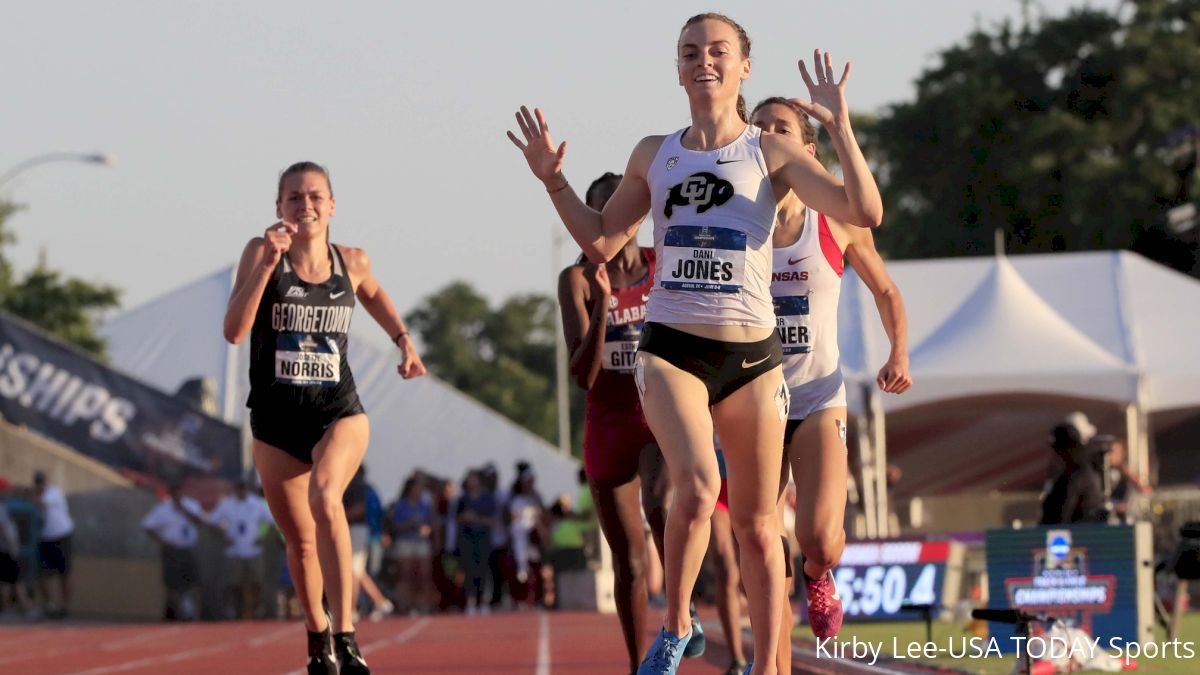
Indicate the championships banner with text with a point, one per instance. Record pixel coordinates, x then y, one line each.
70 397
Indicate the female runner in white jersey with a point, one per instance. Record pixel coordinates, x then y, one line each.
806 283
293 295
709 352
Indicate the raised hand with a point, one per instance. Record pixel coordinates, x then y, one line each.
544 160
276 241
828 104
597 276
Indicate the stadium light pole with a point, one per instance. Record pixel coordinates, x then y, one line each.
86 158
561 385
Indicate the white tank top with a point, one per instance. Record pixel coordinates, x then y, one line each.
806 282
713 216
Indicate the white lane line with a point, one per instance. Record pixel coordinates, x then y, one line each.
404 636
151 660
152 634
543 662
273 635
401 637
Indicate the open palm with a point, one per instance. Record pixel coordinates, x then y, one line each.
544 160
828 98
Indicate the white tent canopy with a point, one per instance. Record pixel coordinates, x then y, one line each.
422 423
1102 327
1091 311
1004 338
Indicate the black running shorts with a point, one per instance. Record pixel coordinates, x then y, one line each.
723 367
296 432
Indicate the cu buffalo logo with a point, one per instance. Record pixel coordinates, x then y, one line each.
702 190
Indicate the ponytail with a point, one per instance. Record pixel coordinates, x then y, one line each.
741 109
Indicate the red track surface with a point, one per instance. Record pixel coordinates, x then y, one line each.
575 643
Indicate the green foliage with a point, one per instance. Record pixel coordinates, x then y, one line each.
65 307
502 357
1056 133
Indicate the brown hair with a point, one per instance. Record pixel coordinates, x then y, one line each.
299 168
302 168
743 42
608 178
807 131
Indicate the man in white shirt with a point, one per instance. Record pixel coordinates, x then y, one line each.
174 524
241 516
54 549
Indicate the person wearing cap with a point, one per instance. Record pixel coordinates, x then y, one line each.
1109 456
54 549
1077 494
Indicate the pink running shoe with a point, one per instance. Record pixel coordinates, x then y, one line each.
824 605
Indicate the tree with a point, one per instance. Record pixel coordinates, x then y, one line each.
503 357
1054 133
66 307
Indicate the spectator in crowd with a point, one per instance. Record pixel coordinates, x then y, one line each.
447 574
54 549
375 543
476 516
355 501
499 554
1076 495
241 516
527 532
10 555
411 526
1121 483
174 523
567 543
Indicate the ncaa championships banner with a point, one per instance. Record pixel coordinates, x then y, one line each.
1094 577
65 395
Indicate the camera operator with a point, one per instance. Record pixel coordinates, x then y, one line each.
1077 494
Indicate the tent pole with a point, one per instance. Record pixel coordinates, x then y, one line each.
866 462
879 450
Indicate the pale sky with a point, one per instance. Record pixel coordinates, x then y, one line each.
203 103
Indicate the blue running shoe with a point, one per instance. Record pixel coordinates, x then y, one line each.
695 646
749 667
665 654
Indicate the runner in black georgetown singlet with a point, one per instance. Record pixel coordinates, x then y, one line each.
300 379
310 433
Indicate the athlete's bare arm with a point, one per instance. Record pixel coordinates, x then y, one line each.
379 305
259 259
855 198
584 330
894 377
601 234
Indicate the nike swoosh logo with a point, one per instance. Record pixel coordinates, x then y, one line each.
727 161
755 363
797 260
645 297
335 296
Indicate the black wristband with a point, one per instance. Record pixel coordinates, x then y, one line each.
396 339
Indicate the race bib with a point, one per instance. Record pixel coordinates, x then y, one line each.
791 320
304 360
620 347
709 259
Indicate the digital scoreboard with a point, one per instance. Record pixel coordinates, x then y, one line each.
877 578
